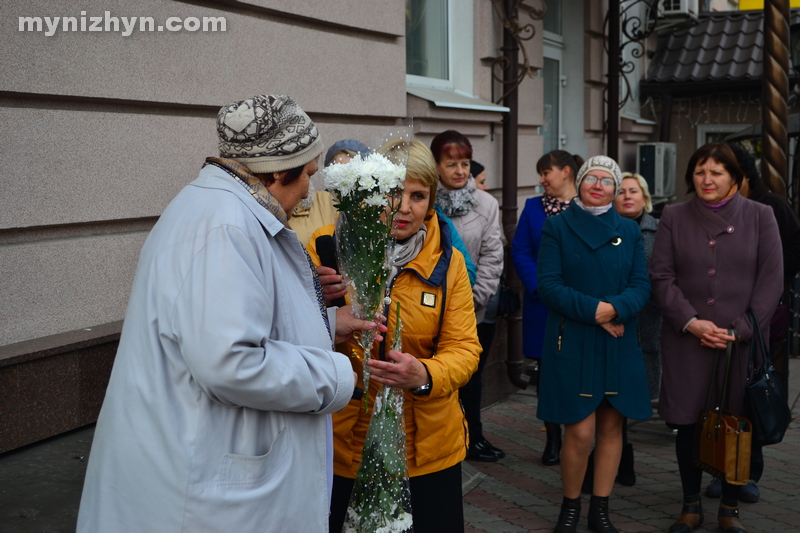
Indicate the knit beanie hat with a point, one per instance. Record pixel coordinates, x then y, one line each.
346 144
600 162
267 133
475 168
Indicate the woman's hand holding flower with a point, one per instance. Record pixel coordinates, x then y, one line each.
401 370
347 324
332 284
709 334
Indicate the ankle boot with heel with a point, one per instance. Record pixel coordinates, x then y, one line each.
598 515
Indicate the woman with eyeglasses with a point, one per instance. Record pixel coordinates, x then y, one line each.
593 278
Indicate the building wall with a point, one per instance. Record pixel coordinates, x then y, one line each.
706 118
101 130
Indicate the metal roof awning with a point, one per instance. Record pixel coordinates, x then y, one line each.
454 99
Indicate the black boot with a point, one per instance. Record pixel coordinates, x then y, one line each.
598 515
552 449
626 474
588 478
569 516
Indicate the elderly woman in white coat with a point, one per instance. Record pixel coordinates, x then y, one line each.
215 414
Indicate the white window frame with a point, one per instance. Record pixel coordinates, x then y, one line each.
459 51
554 50
704 129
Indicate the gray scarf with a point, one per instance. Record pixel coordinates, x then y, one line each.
403 254
457 202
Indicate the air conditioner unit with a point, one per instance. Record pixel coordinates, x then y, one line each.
673 8
656 162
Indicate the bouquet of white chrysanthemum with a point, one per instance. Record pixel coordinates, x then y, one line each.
381 498
365 190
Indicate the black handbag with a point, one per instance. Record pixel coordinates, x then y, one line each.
765 400
509 300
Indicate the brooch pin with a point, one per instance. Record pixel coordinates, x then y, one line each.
616 241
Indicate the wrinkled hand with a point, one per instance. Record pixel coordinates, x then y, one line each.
709 334
615 330
401 370
347 324
332 284
605 312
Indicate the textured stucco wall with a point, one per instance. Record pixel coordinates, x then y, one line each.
101 130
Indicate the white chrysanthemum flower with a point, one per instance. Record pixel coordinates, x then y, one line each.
404 522
366 183
377 199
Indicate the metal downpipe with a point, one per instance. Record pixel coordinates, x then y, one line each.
515 360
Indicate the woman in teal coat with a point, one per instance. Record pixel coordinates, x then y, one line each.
593 278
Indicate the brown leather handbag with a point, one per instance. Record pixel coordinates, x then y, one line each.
723 439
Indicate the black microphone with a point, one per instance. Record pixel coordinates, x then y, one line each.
326 250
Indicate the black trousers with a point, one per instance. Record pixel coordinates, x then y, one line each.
692 476
470 394
436 503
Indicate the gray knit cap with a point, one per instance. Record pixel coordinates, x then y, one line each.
267 133
600 162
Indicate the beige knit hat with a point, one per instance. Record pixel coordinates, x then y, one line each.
600 162
267 133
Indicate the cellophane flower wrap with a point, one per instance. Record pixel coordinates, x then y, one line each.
365 190
381 498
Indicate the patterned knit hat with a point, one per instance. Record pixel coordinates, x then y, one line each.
267 133
600 162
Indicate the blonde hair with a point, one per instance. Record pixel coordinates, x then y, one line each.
648 200
345 151
419 162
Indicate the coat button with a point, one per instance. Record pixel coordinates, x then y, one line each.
710 301
711 271
712 243
730 229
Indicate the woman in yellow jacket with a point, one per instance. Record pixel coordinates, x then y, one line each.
440 353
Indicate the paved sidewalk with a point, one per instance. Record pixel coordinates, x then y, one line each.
518 494
40 484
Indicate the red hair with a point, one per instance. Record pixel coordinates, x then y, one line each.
452 145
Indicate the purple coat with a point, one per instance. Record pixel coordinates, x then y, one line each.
713 266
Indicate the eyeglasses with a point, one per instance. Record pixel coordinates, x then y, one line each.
591 179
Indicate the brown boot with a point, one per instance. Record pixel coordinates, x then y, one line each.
691 517
729 519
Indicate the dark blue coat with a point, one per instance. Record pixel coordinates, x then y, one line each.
583 260
525 254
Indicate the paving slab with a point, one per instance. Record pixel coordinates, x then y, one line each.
519 492
40 484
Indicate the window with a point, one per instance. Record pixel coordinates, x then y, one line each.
553 18
710 133
551 118
553 78
439 44
427 39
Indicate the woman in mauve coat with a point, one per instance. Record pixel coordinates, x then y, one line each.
715 257
593 278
